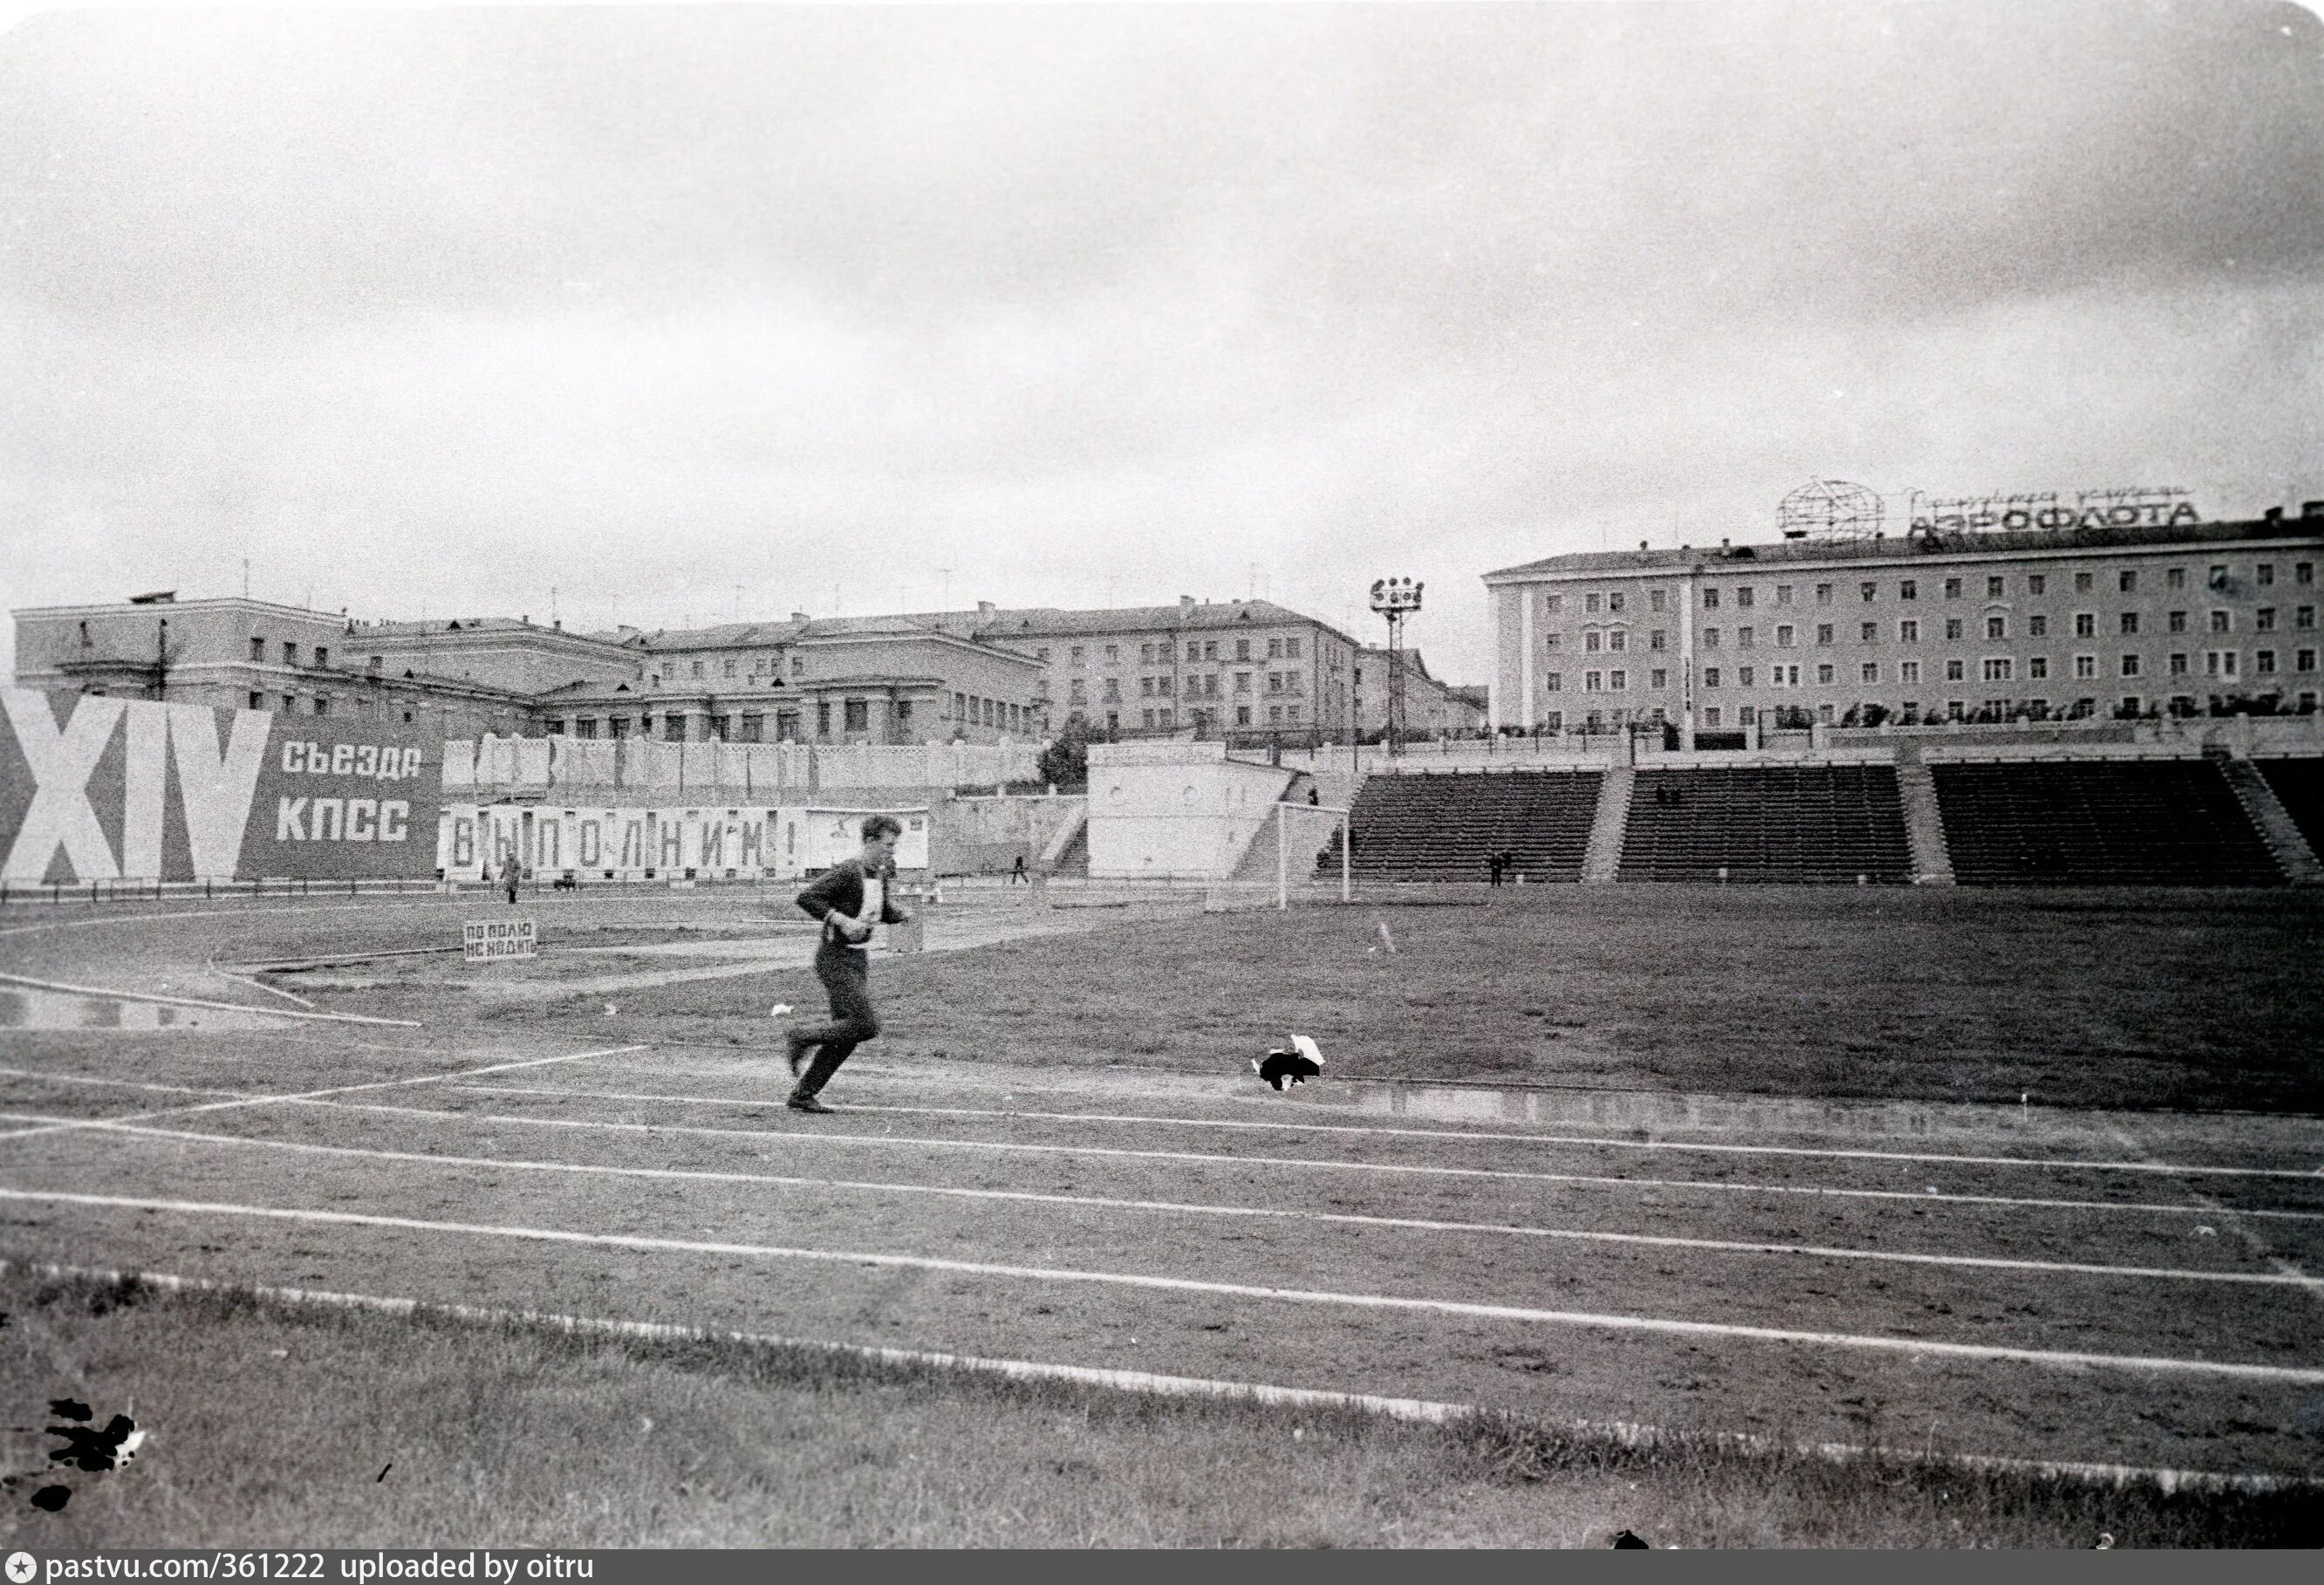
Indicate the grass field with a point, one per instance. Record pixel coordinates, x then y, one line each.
1720 1162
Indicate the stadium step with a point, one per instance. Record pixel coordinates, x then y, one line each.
1924 825
1603 857
2273 822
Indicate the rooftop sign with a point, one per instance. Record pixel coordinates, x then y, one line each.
2086 508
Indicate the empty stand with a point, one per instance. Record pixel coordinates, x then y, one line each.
2298 786
2098 823
1799 824
1430 827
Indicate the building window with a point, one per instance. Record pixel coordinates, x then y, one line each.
1952 628
1783 635
1655 600
1242 715
1711 715
290 653
1593 681
1742 638
2130 703
2086 624
1617 640
1617 681
1823 593
1748 715
2178 665
1275 649
1660 678
1995 587
1783 594
2130 666
1592 640
1996 668
2127 579
258 650
2264 573
322 657
2037 668
673 728
2221 622
2304 660
722 728
1954 671
2263 660
2037 626
1743 597
1590 602
1710 677
2303 572
1908 632
1823 632
1656 640
587 727
696 668
1613 602
2176 578
2304 617
2263 619
1742 676
1909 589
1997 627
2086 665
1710 599
1556 683
1952 588
2129 623
257 700
2082 581
2218 578
1869 590
1908 671
2037 584
1824 672
1710 637
1869 672
2218 663
1242 681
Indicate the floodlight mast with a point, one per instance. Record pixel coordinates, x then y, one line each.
1396 599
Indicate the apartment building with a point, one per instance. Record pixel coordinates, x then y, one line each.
1430 706
1218 667
2142 620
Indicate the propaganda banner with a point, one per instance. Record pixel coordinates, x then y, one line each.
100 788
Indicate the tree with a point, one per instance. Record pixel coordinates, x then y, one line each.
1065 763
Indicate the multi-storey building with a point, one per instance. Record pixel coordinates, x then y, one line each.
1430 707
837 680
2188 619
252 654
1219 668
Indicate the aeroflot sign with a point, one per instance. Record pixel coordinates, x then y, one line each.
94 788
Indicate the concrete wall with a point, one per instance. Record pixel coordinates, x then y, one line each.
1174 809
985 835
637 843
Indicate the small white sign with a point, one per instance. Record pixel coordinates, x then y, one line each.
482 939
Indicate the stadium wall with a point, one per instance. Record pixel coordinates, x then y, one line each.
671 842
1174 809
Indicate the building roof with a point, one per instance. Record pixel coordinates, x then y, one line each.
1911 548
1048 621
1412 660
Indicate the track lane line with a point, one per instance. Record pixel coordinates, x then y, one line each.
2296 1375
313 1096
1408 1168
1150 1383
2066 1164
1111 1203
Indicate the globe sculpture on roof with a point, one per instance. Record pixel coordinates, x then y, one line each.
1830 509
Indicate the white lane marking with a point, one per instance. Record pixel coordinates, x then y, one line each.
2298 1375
110 994
2234 1219
262 985
1109 1203
415 899
1120 1153
311 1096
115 1083
1424 1410
2068 1163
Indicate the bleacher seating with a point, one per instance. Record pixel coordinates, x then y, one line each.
2098 823
1431 827
1794 824
2298 786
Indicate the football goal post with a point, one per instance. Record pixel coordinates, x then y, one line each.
1312 836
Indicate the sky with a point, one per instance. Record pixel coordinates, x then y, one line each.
668 314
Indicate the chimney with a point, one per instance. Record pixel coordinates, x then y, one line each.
801 616
2274 514
1723 545
984 608
1185 602
1642 544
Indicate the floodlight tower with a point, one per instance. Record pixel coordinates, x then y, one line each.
1396 599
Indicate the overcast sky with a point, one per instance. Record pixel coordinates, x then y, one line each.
435 311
